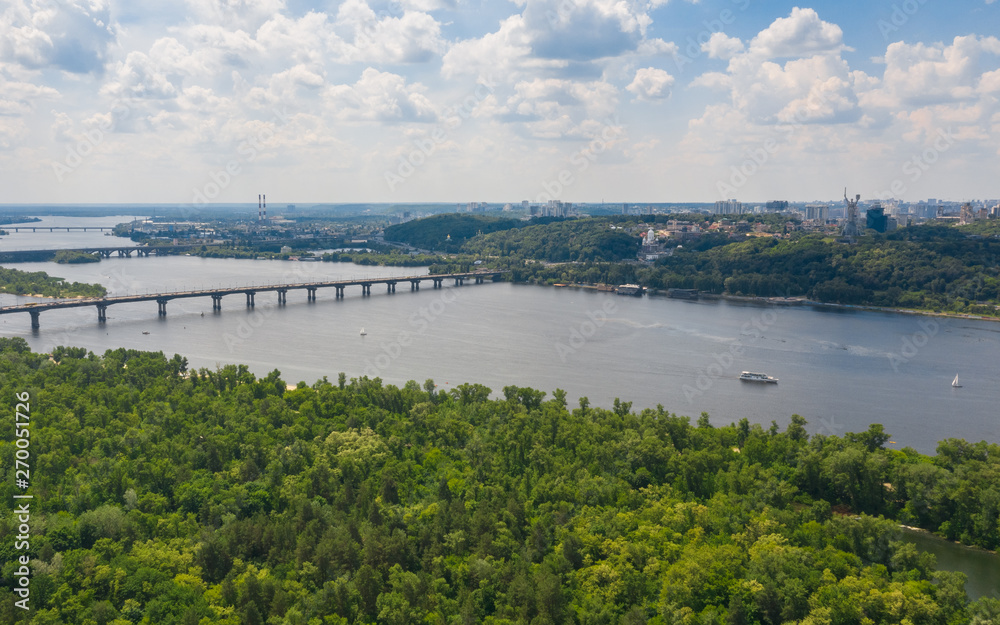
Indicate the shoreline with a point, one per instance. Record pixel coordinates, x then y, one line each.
797 301
920 530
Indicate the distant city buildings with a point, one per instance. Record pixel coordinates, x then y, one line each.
876 219
816 212
728 207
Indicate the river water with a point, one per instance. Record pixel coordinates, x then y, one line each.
840 369
981 567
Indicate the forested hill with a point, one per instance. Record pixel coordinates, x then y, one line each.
930 267
446 232
164 496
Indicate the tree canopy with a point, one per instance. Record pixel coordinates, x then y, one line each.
168 495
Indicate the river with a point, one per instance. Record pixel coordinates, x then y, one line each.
840 369
981 567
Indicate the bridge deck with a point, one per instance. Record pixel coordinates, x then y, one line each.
162 298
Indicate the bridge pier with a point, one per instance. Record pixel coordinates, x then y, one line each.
437 282
34 319
250 295
459 281
366 288
162 307
102 313
414 285
106 253
216 303
390 287
281 296
479 279
311 294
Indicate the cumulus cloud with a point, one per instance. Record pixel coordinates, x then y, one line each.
413 37
722 46
919 73
74 36
554 35
651 83
380 96
801 33
235 14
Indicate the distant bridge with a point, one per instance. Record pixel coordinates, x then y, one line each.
35 309
16 256
126 251
54 228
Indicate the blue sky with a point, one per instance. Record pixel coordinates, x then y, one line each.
452 100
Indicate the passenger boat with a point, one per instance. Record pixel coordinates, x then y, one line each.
749 376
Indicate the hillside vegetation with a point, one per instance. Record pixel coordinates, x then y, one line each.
930 267
164 495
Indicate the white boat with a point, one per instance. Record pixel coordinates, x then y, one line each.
750 376
363 332
954 383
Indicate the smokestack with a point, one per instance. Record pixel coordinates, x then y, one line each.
265 207
258 207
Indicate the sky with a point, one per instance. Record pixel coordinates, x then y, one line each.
200 101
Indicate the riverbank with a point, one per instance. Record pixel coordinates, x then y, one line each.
795 301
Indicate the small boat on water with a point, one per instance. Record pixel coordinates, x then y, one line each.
954 383
144 332
749 376
363 332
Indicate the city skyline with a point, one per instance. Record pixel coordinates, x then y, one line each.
441 101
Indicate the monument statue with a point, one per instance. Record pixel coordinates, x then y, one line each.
851 225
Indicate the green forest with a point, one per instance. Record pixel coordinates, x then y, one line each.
928 267
165 495
40 283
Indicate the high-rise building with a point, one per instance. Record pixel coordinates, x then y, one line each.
728 207
876 219
776 206
816 212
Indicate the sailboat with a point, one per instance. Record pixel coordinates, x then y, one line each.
955 383
364 333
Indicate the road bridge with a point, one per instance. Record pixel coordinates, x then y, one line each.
35 309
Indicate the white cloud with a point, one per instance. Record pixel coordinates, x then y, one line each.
801 33
919 73
74 36
651 83
722 46
309 39
235 14
414 37
380 96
